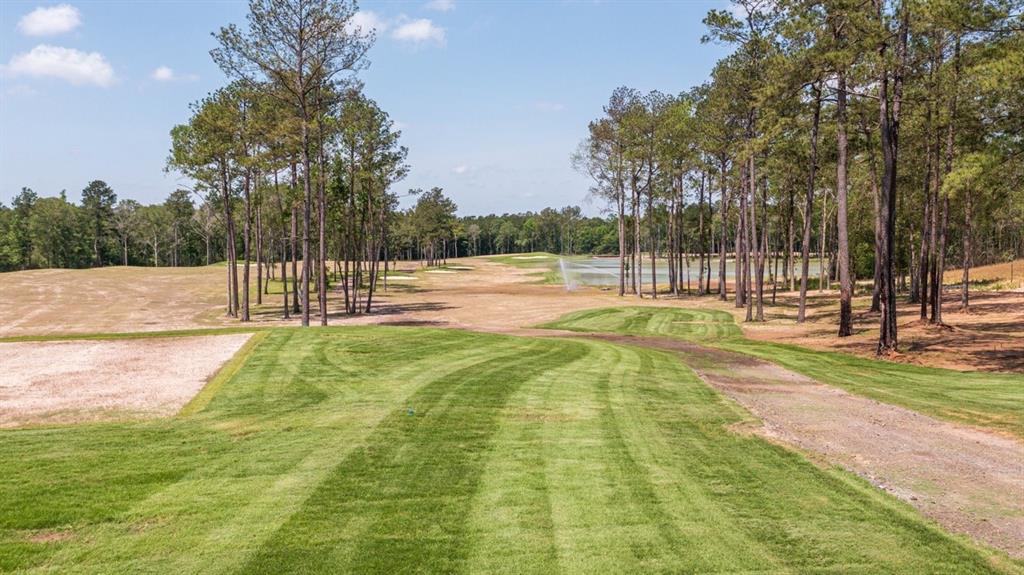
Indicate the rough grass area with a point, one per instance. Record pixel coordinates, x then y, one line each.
414 450
983 399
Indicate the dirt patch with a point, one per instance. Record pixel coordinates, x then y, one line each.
72 381
48 536
968 480
112 299
990 338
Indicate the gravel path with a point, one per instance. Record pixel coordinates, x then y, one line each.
968 480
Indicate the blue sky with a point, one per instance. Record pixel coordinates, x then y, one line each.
492 97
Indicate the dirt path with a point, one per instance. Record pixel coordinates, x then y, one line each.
967 480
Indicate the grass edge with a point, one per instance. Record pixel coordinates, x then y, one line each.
200 400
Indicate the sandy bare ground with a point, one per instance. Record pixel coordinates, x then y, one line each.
111 299
71 381
967 480
990 338
490 297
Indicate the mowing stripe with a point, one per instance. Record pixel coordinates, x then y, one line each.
402 499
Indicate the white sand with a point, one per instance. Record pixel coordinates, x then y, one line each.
69 381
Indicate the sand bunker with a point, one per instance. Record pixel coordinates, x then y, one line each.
71 381
402 278
530 257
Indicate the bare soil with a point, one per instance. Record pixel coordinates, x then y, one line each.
990 338
968 480
489 296
111 299
71 381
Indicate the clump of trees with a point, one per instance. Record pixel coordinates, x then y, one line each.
298 160
53 232
883 137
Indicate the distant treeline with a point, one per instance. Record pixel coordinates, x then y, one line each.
101 230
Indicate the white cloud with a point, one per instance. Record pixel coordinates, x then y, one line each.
65 63
440 5
367 20
48 21
162 74
166 74
419 31
461 169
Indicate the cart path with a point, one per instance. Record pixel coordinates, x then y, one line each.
968 480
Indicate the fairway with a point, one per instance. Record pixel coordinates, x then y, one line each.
404 449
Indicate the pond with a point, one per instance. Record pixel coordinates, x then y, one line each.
604 271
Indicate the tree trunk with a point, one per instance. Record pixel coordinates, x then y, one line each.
948 167
889 125
246 234
805 253
700 234
724 232
964 296
845 285
940 265
259 257
789 276
757 288
823 246
229 245
322 222
739 272
652 235
307 201
637 252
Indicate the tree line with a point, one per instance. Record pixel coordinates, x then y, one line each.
53 232
885 135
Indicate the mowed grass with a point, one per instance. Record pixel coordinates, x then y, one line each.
384 450
989 400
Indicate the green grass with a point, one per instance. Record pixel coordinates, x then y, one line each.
390 450
987 400
546 269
